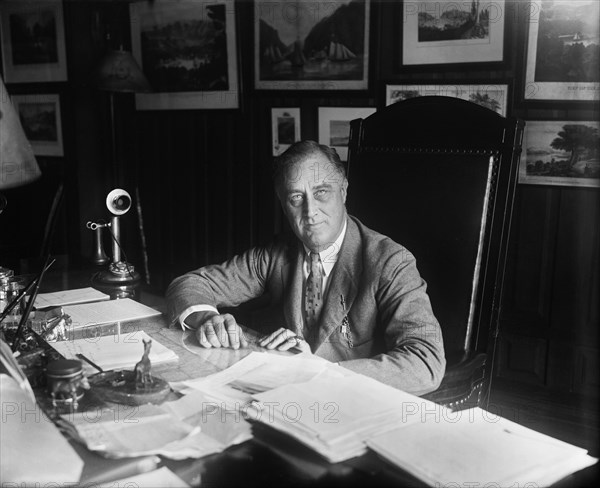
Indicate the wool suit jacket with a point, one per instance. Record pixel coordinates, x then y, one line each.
376 320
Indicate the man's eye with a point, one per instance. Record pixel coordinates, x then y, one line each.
320 193
295 199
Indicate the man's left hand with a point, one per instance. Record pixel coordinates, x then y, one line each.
284 339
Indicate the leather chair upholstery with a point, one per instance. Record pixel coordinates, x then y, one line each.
438 175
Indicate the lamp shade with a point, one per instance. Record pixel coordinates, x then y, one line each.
17 162
119 72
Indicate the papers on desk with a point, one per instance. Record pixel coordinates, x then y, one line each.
336 415
121 351
69 297
476 446
33 451
190 427
326 407
108 312
233 387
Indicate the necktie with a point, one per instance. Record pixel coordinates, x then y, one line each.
313 300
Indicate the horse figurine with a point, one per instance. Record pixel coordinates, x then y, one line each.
142 369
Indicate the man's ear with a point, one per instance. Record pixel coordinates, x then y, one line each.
344 188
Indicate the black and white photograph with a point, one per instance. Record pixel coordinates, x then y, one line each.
300 243
311 45
33 41
41 121
188 52
334 126
493 97
285 127
446 31
563 52
561 153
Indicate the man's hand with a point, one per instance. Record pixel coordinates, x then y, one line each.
284 339
215 330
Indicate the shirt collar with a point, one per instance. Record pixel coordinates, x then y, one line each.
329 256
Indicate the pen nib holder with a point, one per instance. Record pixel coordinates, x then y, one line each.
121 387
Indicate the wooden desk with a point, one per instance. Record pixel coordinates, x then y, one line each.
270 458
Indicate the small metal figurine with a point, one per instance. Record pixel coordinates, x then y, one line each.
142 370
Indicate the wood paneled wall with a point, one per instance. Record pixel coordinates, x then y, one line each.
203 179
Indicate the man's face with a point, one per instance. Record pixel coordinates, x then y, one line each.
313 194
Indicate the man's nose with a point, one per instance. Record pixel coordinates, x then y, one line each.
310 206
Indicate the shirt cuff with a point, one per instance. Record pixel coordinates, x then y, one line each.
190 310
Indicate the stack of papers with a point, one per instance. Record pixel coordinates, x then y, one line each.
69 297
187 428
477 447
121 351
335 415
108 312
233 387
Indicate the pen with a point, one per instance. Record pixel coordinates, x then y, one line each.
89 361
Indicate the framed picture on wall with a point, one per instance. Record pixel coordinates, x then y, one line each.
562 60
41 121
285 124
334 126
188 51
561 153
311 45
33 41
494 97
447 32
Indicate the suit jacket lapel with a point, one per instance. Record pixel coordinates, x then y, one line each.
292 274
343 285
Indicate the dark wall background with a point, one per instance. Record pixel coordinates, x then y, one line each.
203 182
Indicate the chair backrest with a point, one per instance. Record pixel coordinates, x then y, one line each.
438 175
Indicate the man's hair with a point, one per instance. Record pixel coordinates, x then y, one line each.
299 151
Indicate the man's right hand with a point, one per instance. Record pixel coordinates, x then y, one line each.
216 330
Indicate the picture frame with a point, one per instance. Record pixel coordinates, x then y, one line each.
334 126
42 123
550 156
285 123
491 96
33 59
556 64
195 71
311 45
448 32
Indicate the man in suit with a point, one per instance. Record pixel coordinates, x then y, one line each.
336 288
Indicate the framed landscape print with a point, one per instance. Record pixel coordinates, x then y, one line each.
494 97
40 118
188 51
285 124
334 126
561 153
311 45
562 61
446 31
33 41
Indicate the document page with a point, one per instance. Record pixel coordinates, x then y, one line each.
69 297
121 351
108 312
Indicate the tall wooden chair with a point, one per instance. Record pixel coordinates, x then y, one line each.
438 175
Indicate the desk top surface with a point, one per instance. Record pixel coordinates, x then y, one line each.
270 458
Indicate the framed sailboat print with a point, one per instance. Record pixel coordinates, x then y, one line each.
311 45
